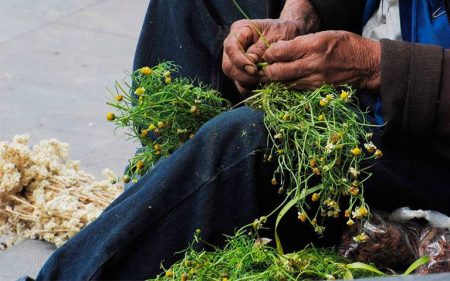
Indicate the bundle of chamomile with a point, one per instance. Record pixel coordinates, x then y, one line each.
322 143
162 112
320 139
249 257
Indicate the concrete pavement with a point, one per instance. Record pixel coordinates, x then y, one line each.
56 60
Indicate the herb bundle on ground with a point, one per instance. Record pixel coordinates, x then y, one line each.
162 112
45 195
248 257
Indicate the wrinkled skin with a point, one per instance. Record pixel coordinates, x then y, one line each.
296 55
331 57
244 47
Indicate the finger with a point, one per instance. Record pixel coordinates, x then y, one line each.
287 50
236 45
283 51
257 50
236 73
241 60
242 34
309 82
252 56
290 71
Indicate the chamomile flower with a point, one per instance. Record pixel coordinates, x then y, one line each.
139 91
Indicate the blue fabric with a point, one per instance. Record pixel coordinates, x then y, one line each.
422 21
370 8
434 29
406 19
216 181
425 21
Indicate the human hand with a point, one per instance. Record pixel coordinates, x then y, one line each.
246 43
331 57
248 39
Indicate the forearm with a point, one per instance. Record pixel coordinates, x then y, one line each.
303 12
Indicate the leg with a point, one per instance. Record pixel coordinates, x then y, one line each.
216 181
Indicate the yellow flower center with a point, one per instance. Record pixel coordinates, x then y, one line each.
145 70
139 91
110 116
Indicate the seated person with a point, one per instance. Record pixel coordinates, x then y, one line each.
210 184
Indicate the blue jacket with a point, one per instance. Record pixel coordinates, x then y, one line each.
422 21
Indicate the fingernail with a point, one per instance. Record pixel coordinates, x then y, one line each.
250 69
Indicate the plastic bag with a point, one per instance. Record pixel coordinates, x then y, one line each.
434 239
435 242
435 219
396 240
389 243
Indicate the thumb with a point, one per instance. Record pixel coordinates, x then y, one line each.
256 51
244 90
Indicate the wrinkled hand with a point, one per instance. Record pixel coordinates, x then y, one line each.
331 57
244 47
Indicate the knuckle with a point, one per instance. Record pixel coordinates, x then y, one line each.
226 66
235 25
278 53
257 48
235 59
232 46
273 73
227 39
275 53
228 46
239 24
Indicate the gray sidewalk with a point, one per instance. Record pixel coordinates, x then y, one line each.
56 59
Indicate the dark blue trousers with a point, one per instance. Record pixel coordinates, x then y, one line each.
218 181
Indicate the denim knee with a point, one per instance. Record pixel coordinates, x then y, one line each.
242 124
229 137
